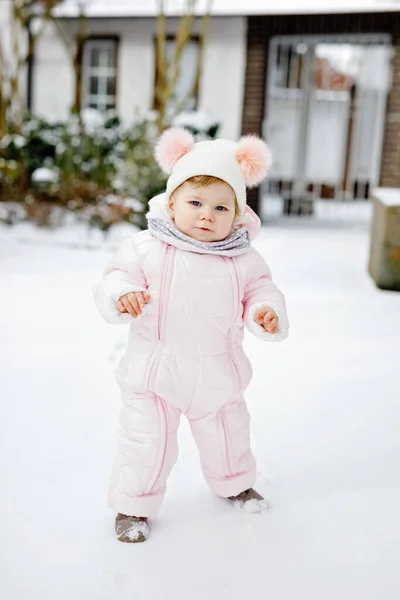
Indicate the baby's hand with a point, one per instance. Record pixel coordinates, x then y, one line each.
133 303
267 318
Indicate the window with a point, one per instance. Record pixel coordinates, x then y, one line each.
188 65
187 74
99 74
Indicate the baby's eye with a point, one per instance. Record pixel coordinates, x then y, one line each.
220 208
195 202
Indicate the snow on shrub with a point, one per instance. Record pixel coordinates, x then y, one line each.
82 163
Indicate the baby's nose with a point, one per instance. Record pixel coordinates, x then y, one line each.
207 213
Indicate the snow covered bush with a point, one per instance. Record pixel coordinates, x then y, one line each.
140 176
199 123
79 165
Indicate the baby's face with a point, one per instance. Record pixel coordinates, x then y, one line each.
204 213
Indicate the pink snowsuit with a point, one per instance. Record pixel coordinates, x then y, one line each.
185 355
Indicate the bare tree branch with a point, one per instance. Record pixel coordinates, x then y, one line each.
168 72
200 60
182 38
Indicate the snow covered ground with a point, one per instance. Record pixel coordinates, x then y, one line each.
325 409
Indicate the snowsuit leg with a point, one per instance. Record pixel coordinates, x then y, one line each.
147 451
223 440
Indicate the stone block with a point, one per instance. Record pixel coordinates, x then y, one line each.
384 260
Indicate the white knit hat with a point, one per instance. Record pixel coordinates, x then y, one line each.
240 164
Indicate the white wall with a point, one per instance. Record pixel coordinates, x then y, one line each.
52 76
4 14
222 87
136 60
54 81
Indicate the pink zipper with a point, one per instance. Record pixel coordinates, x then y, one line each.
161 307
162 290
160 332
236 309
231 263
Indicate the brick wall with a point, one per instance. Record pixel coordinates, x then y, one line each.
390 173
260 31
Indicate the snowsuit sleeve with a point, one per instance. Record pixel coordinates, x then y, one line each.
261 291
122 275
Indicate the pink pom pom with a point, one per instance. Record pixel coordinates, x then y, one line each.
254 158
172 145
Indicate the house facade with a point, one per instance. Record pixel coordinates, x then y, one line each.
119 68
320 83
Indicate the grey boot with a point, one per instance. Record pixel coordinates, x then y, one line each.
131 530
250 501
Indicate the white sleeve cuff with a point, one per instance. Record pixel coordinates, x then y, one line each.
106 301
259 331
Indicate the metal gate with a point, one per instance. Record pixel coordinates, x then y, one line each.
325 117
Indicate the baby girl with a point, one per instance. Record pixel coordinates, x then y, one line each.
187 286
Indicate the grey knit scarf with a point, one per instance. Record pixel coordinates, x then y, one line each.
238 239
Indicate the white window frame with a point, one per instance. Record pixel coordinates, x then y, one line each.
101 101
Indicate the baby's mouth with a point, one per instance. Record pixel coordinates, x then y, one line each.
203 228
